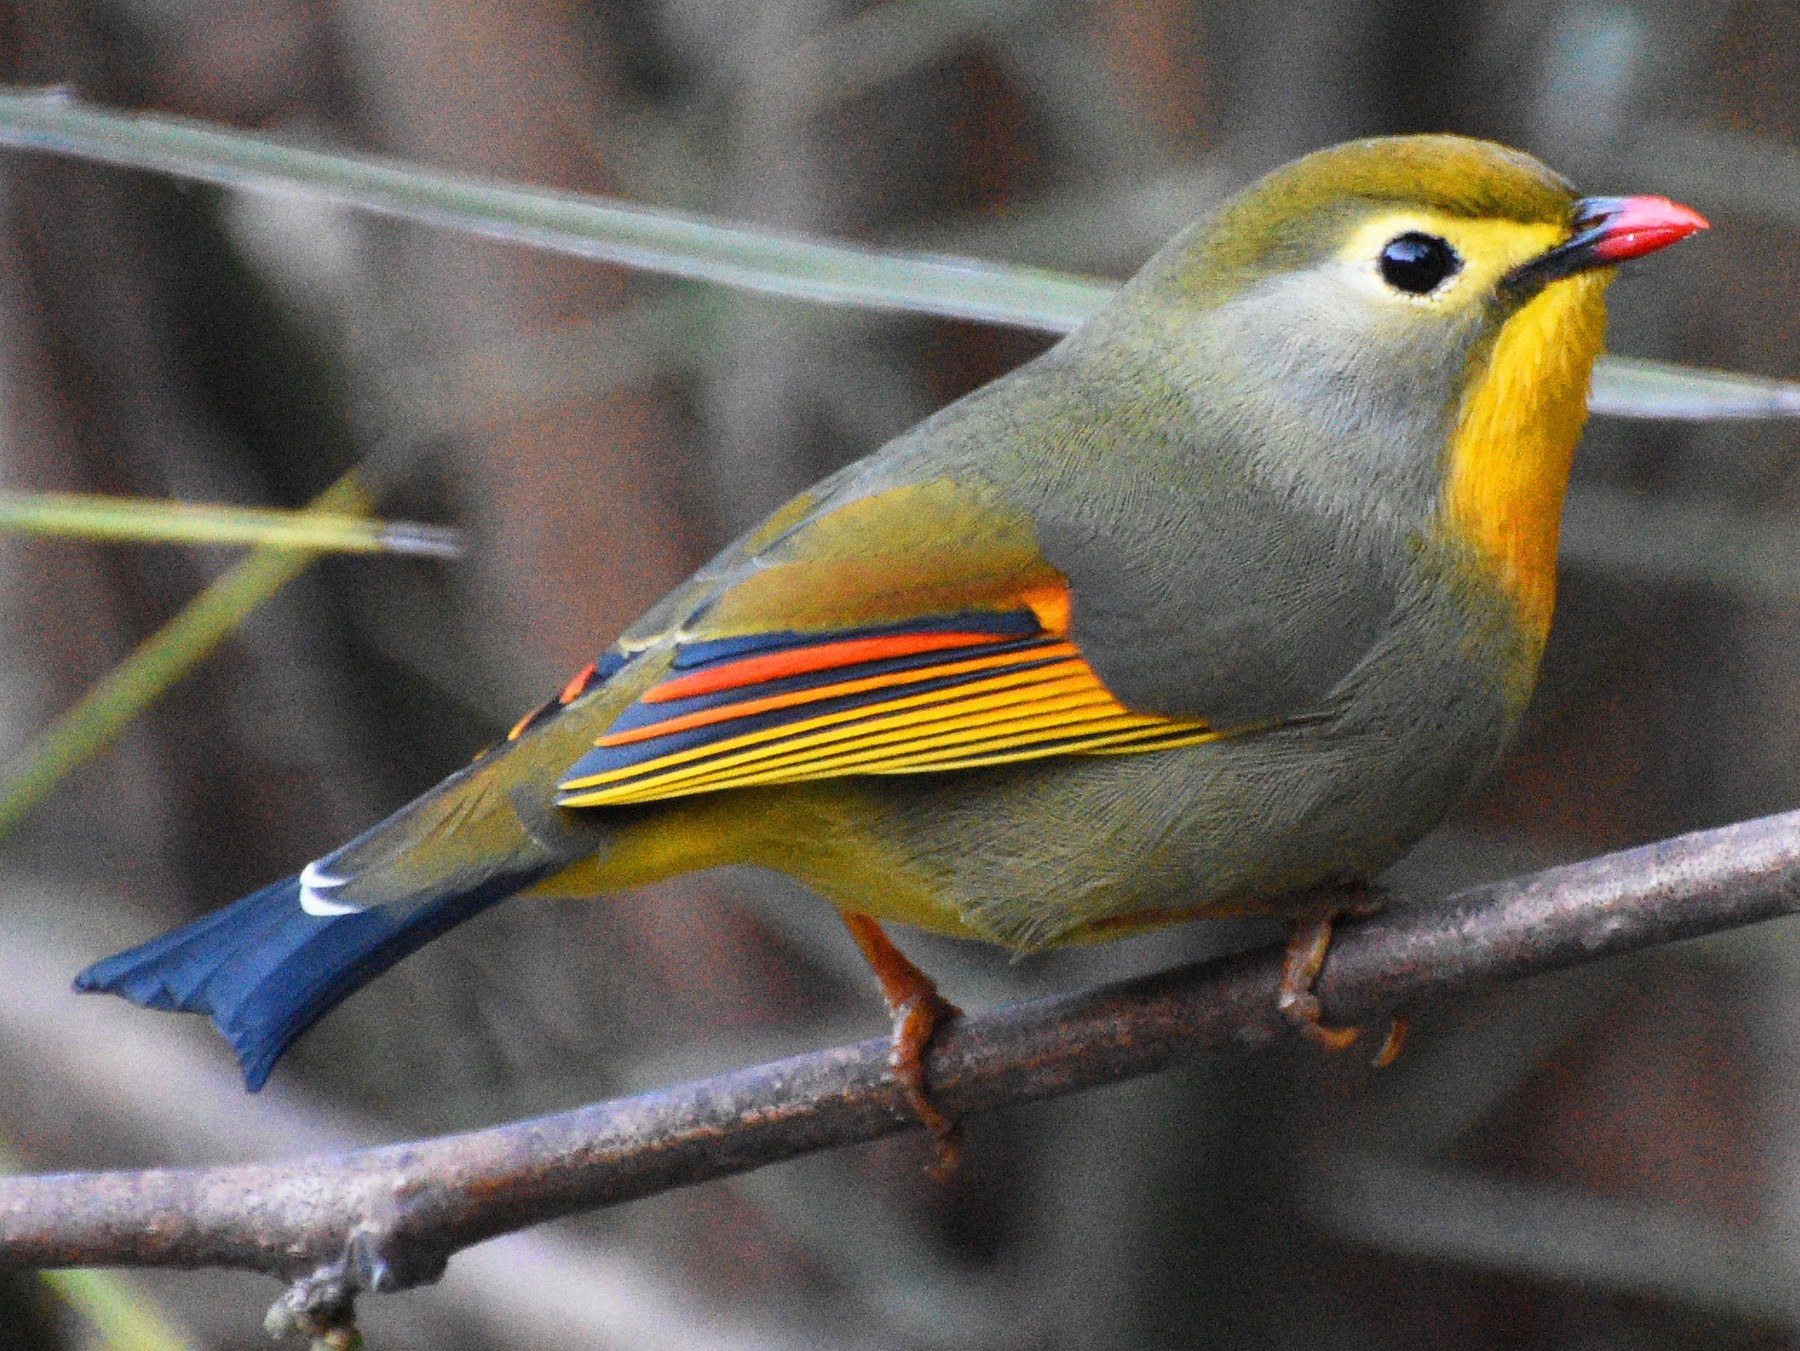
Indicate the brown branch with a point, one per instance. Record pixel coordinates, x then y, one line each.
390 1217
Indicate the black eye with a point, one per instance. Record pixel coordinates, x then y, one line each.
1418 263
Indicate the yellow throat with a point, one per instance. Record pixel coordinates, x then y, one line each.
1509 457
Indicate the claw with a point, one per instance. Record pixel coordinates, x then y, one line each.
1394 1042
1308 942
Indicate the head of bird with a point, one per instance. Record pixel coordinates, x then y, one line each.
1403 328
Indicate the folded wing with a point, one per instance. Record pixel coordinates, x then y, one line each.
939 693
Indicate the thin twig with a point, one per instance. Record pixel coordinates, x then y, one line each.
390 1217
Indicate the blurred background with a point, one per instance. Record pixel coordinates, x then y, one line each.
1607 1159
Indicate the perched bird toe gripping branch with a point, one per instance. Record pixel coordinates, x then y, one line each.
1222 601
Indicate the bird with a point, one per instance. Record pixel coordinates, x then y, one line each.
1214 608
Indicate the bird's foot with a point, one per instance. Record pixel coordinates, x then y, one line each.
918 1011
915 1022
1309 940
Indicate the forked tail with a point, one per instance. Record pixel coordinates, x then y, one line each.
264 969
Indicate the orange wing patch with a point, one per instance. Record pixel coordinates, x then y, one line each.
956 692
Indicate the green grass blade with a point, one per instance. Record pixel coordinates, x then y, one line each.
135 520
124 1317
660 241
1631 387
693 247
159 661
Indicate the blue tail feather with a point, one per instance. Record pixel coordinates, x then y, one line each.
264 970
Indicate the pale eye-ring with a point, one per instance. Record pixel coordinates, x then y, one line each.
1418 263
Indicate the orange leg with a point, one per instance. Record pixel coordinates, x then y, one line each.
917 1010
1308 941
